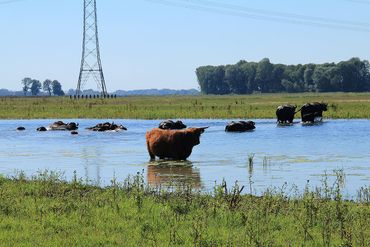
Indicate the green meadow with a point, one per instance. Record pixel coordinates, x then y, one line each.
47 211
341 105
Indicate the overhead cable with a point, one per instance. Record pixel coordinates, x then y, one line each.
264 15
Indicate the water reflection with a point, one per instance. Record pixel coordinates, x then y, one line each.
172 173
92 160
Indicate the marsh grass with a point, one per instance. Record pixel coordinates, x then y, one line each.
45 210
341 105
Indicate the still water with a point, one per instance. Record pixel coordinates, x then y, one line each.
292 154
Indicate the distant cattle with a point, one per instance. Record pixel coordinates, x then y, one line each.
312 112
240 126
21 128
172 125
41 129
107 127
285 114
60 125
173 144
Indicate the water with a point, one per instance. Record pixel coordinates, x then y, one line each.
292 154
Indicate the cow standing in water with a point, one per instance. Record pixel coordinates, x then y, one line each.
173 144
285 114
313 111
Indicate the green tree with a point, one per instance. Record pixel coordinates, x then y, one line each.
46 86
321 78
264 75
307 78
355 75
35 87
235 79
26 82
57 88
249 71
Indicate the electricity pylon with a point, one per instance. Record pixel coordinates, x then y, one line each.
90 63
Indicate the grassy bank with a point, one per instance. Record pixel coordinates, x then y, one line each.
46 211
341 105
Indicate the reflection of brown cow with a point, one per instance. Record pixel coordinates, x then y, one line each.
174 144
173 175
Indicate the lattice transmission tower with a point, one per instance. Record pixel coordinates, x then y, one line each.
91 68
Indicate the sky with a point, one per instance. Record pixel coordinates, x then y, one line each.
160 43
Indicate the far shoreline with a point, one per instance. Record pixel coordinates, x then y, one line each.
228 107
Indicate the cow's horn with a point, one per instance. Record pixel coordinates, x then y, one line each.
202 129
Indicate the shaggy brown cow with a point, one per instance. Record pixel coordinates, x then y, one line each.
174 144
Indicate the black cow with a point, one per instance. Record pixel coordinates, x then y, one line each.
240 126
172 125
107 127
21 128
312 111
60 125
41 129
285 114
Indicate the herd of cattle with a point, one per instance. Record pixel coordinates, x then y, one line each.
172 139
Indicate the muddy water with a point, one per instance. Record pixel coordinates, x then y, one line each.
293 154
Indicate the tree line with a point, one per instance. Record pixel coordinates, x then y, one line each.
48 86
248 77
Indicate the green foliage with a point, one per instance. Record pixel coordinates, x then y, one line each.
26 82
45 210
46 86
35 87
57 88
247 77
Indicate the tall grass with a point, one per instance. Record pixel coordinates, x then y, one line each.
341 105
45 210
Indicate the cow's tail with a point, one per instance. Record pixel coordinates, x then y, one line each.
300 109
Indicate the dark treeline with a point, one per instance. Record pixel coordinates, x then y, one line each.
248 77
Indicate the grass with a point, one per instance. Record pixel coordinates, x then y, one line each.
341 105
45 210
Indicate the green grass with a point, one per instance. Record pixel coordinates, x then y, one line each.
47 211
341 105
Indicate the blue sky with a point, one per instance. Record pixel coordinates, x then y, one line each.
151 44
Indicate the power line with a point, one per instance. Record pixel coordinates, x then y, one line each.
264 15
10 1
282 14
358 1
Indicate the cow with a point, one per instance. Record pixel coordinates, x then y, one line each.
173 144
60 125
172 125
312 111
42 129
21 128
285 114
107 127
240 126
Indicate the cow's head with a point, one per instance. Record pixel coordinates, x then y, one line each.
193 135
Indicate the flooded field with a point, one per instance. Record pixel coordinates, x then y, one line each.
293 154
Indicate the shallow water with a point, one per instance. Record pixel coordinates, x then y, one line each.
291 154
